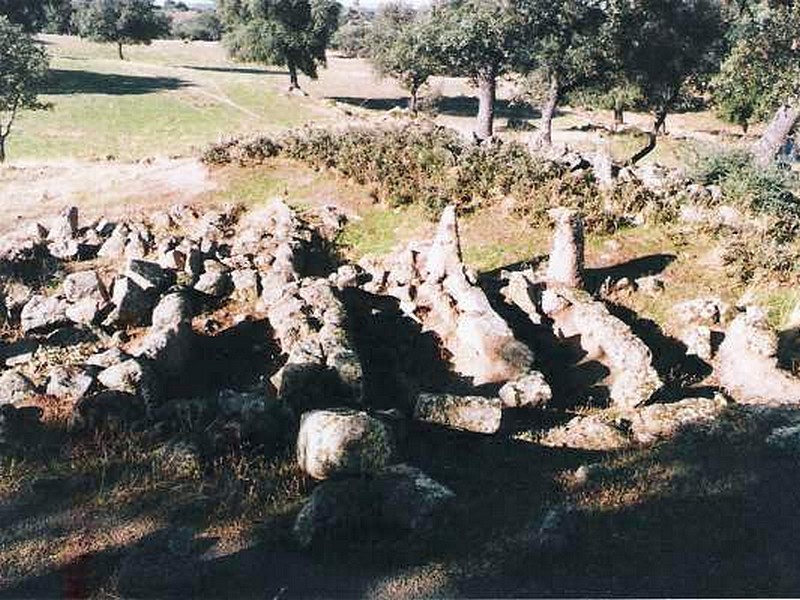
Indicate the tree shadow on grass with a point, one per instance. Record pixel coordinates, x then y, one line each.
454 106
238 70
67 81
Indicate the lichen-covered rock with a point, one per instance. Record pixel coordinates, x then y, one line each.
529 390
214 283
43 314
15 387
467 413
133 376
84 285
660 421
698 341
69 382
701 311
342 442
747 363
592 432
401 498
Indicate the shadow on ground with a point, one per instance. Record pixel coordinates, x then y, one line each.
456 106
67 81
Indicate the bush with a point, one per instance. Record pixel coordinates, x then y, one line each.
204 27
433 167
754 188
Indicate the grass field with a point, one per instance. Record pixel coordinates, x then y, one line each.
165 99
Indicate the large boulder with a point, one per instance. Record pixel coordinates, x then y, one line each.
342 442
660 421
466 413
400 498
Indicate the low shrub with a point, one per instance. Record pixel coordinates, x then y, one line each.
746 185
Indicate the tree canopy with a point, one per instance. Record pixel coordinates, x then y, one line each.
120 21
290 33
665 47
23 68
400 46
28 14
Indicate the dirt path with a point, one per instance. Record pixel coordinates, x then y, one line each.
37 189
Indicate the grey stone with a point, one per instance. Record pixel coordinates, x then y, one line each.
69 382
132 304
565 267
42 314
342 442
529 390
84 285
467 413
15 387
399 498
149 275
133 376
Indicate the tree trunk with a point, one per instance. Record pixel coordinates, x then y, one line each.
2 149
776 133
549 112
294 83
413 101
119 50
652 136
487 93
619 115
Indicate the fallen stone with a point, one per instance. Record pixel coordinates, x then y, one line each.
177 460
149 275
214 283
399 498
84 285
747 363
530 390
785 439
42 314
132 304
107 358
342 442
133 376
15 387
590 432
71 382
466 413
110 407
604 337
660 421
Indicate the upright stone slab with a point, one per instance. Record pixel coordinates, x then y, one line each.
565 267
